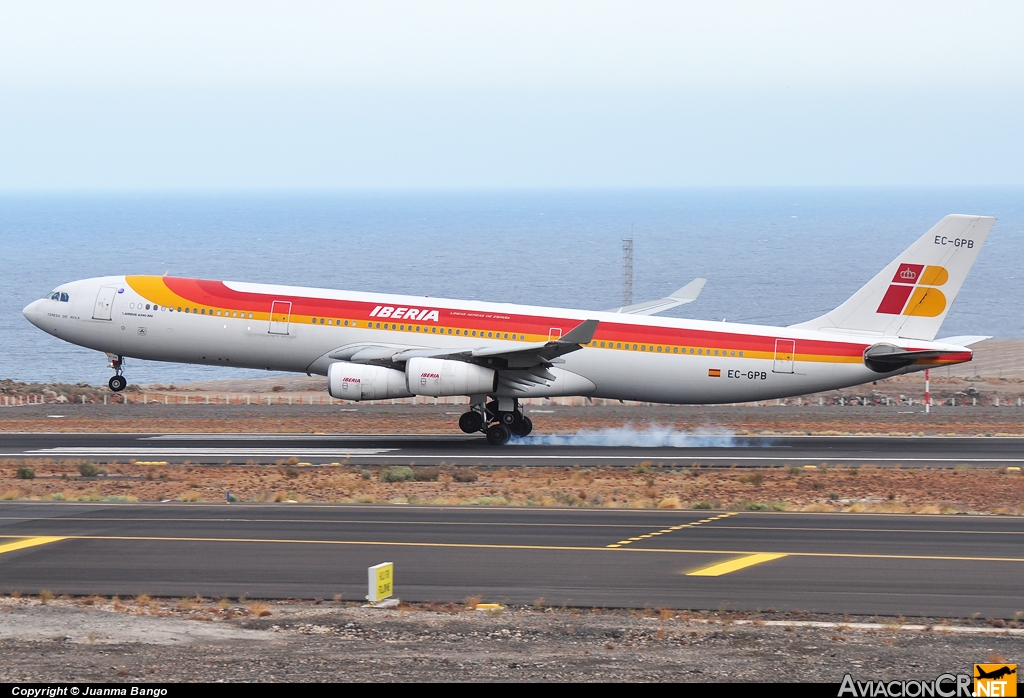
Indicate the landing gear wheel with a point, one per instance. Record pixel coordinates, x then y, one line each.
471 422
522 427
498 434
117 383
507 418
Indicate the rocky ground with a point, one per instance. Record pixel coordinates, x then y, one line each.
146 639
864 489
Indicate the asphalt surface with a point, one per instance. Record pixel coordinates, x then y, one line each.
945 566
610 448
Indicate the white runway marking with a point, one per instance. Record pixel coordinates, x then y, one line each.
503 455
216 452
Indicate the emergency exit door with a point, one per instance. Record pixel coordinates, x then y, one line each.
104 303
785 354
280 316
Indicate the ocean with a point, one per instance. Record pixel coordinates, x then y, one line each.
772 256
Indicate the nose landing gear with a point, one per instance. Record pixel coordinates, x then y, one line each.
498 425
117 382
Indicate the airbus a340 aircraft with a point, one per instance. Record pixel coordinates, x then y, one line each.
374 346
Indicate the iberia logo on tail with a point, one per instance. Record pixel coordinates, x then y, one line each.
913 291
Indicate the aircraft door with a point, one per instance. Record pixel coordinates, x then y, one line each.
785 354
280 316
104 308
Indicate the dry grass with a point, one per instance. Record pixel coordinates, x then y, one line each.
866 489
258 609
45 596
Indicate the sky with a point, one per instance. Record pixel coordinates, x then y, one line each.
230 95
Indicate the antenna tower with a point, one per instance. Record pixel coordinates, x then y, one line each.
627 271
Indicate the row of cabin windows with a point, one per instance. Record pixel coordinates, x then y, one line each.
332 321
197 311
506 335
432 330
665 349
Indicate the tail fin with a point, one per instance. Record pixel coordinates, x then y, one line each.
911 296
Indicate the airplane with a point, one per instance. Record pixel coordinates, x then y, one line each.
378 346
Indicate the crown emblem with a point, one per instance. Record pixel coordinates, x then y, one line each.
908 274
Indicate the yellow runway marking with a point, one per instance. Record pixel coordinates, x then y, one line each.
554 548
733 565
673 528
28 543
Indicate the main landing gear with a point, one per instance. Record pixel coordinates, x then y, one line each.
117 382
499 420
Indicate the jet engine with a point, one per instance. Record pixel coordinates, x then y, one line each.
349 381
440 377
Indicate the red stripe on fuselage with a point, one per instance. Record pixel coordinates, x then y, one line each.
217 294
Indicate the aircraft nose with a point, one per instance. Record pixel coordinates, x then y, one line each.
32 312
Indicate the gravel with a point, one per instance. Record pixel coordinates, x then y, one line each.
156 641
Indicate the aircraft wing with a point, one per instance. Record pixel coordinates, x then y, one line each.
503 355
687 294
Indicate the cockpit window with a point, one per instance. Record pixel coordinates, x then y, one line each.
64 298
55 296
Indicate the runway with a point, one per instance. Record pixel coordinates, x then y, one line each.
941 566
606 449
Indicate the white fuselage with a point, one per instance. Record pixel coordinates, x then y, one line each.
282 328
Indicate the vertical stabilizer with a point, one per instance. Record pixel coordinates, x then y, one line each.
911 296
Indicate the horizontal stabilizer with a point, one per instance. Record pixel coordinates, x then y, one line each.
687 294
964 340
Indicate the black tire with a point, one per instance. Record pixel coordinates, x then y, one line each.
522 426
498 435
471 422
508 418
117 383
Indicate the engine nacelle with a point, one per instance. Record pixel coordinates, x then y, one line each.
443 377
348 381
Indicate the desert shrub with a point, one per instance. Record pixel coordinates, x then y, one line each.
88 470
426 474
465 475
793 470
398 473
702 505
291 474
755 479
366 474
756 506
26 474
